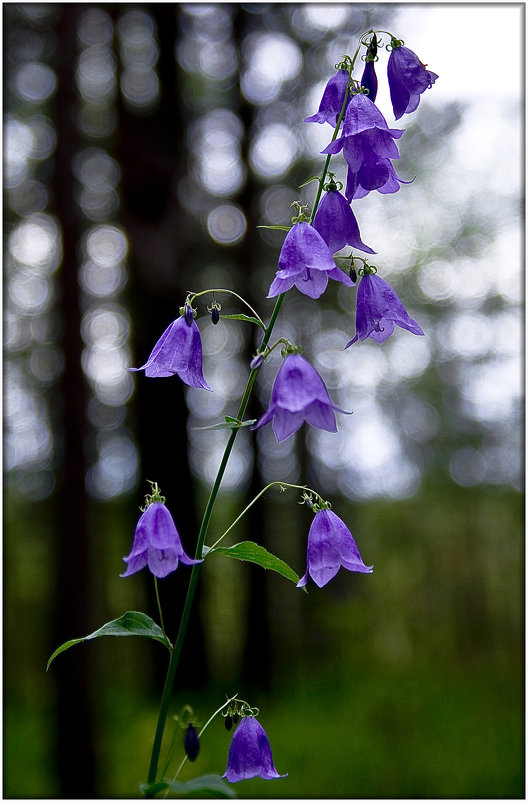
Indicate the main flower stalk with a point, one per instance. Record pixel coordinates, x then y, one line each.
195 574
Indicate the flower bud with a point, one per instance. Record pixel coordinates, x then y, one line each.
189 315
228 722
215 315
191 743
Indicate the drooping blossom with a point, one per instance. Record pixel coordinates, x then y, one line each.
368 146
336 223
250 753
178 351
378 310
306 263
299 394
330 546
156 544
408 78
332 99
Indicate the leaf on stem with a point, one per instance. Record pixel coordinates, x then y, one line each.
247 318
230 423
131 623
277 228
252 552
211 785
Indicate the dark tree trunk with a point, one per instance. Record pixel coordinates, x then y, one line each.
74 737
153 159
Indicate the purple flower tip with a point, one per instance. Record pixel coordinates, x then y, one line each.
178 351
330 546
156 544
250 754
378 310
298 395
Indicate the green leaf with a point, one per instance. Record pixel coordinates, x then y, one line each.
131 623
230 423
210 784
309 180
277 228
252 552
247 318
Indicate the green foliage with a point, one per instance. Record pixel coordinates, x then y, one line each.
210 785
131 623
252 552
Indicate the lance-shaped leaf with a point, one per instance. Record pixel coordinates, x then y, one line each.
247 318
253 553
230 423
208 784
131 623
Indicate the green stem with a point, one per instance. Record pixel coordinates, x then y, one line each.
195 573
159 607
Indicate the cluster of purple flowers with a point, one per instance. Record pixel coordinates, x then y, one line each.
299 394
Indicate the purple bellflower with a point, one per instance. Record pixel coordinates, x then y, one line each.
378 309
336 223
250 753
332 100
408 78
156 544
330 546
299 394
368 146
306 262
178 350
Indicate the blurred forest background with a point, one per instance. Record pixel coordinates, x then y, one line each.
144 144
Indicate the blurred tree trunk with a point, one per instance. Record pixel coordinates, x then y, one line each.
153 159
257 666
74 750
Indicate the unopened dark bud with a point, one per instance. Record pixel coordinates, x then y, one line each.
353 275
228 721
215 315
236 718
189 316
191 743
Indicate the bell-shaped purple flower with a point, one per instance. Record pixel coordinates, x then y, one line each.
332 100
178 351
156 544
330 546
306 263
250 753
375 173
408 78
299 394
336 223
368 146
378 310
